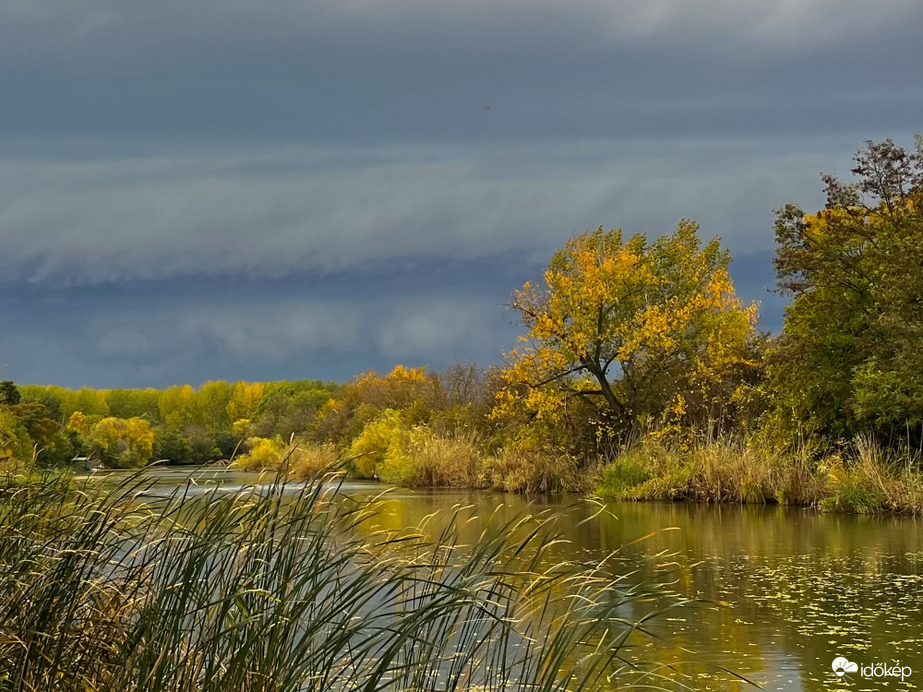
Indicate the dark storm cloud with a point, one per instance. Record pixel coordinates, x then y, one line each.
279 213
191 330
421 69
225 188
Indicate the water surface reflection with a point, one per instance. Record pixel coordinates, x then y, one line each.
779 592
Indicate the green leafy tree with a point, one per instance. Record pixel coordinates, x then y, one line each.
92 402
15 443
171 444
211 405
9 393
135 403
202 447
53 445
51 397
288 408
177 406
849 357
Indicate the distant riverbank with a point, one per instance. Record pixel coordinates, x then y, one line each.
862 479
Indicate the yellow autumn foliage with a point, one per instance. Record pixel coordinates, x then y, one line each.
626 324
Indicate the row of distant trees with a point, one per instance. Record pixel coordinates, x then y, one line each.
624 336
129 427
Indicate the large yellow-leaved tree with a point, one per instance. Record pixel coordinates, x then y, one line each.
637 328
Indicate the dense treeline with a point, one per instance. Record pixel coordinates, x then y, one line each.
639 362
131 427
834 404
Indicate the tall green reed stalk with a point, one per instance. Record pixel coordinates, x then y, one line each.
291 587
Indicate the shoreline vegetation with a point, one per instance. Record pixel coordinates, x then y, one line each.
864 478
640 375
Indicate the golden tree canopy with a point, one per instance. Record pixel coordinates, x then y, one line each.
123 442
627 324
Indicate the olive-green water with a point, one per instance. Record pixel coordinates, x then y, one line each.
779 593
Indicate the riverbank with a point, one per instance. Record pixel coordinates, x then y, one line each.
861 478
419 458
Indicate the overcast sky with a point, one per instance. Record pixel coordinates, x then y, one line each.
200 189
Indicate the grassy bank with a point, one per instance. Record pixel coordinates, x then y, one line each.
860 478
290 588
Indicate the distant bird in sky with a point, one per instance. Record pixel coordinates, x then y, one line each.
486 106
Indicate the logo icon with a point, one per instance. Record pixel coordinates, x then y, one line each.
841 666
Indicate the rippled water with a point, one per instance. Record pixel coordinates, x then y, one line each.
779 593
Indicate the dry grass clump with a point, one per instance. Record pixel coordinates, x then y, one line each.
530 469
306 460
720 472
864 477
871 478
425 459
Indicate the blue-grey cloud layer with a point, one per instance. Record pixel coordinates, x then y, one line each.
238 189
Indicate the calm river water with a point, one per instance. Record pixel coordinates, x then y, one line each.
780 593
